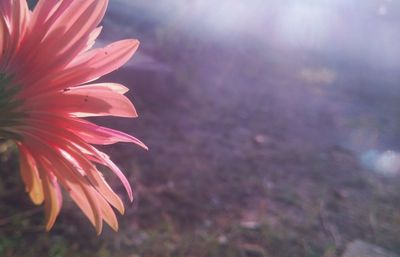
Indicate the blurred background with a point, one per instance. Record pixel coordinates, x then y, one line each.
273 128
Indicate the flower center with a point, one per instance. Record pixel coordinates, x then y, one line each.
10 111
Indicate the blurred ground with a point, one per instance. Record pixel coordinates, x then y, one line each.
273 130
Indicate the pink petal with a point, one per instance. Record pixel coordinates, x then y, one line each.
97 63
30 176
92 38
64 39
96 178
87 101
106 212
95 134
50 133
105 160
80 191
52 192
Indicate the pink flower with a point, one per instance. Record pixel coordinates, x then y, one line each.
46 63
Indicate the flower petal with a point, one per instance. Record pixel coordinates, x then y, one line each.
105 160
96 63
64 39
30 176
69 145
45 62
95 177
78 187
99 135
87 101
53 197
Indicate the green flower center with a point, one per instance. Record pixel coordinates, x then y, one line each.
10 111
